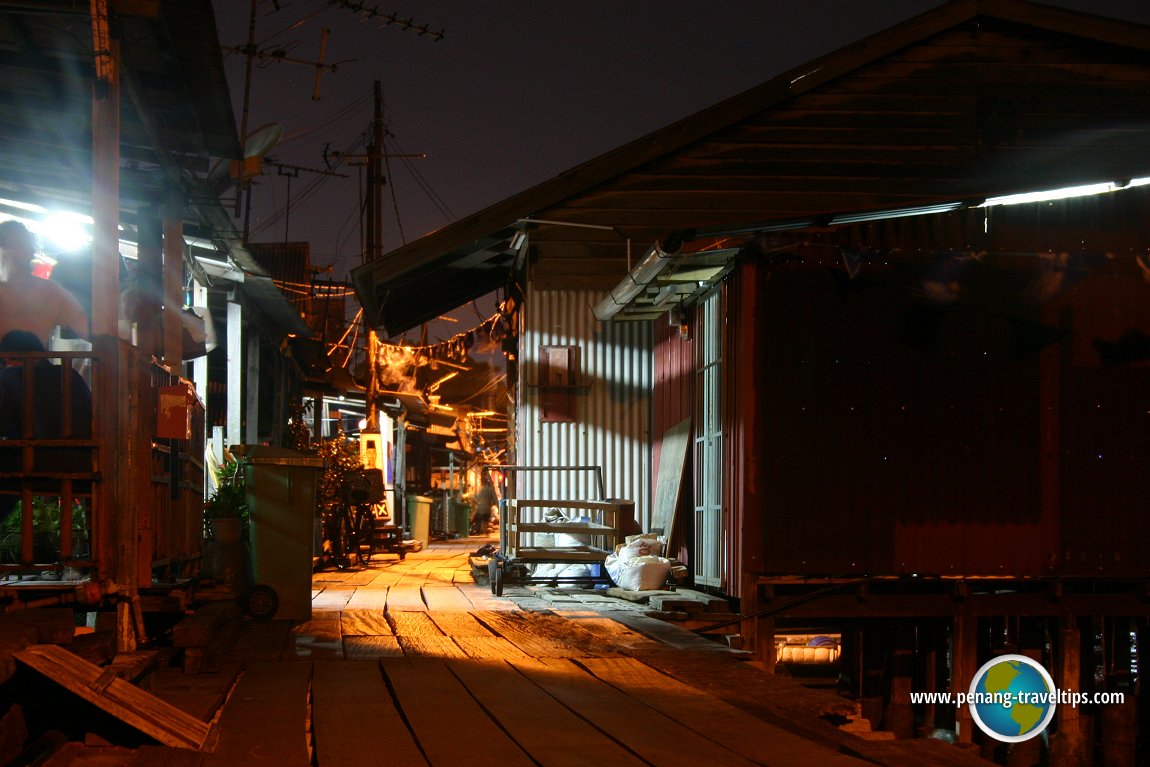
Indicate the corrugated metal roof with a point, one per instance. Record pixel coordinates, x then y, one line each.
968 100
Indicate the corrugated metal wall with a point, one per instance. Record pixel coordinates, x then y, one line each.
612 428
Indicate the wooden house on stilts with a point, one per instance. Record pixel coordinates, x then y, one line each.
899 293
117 113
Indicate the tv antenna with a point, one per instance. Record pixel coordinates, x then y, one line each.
386 19
278 54
293 171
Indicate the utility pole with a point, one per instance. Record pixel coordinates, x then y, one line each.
372 227
374 244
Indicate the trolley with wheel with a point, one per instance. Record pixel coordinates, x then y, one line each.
535 532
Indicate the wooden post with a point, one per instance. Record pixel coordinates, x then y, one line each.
1119 732
1119 720
1031 637
252 393
119 542
234 374
173 283
899 713
764 631
105 179
928 664
146 307
1067 746
963 667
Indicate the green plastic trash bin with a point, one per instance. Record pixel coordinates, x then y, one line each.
281 487
459 516
419 518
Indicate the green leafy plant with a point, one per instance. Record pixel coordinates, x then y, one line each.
230 497
45 529
341 464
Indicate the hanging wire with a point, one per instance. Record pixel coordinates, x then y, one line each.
422 182
387 174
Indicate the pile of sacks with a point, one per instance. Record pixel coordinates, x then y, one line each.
554 516
638 563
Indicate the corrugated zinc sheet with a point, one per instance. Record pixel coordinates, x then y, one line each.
612 423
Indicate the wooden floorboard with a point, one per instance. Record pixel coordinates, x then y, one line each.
405 598
430 647
371 597
610 633
543 727
271 699
734 728
361 577
459 624
413 624
452 729
445 597
355 719
483 599
668 633
651 734
323 625
364 623
332 598
318 638
262 641
372 647
519 628
489 647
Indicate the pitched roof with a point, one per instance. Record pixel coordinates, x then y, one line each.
974 98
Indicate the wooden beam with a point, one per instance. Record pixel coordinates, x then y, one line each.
173 283
123 700
939 605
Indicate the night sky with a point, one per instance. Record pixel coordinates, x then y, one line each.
515 92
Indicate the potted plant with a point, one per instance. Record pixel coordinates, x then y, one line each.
226 509
45 530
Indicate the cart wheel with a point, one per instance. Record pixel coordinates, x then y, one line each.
262 602
497 581
402 552
492 569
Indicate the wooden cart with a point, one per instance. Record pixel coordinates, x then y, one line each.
585 533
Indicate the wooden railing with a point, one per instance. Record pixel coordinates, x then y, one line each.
151 515
48 460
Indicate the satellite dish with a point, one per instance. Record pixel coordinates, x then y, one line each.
258 144
220 174
261 140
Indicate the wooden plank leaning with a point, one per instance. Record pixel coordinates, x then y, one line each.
123 700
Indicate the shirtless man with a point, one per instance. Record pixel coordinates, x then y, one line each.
28 302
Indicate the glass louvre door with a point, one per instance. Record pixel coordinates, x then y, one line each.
708 553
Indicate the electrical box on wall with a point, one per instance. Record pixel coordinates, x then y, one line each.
174 412
559 383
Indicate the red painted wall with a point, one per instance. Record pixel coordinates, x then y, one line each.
981 438
673 400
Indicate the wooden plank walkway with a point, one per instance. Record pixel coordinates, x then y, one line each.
411 663
412 659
